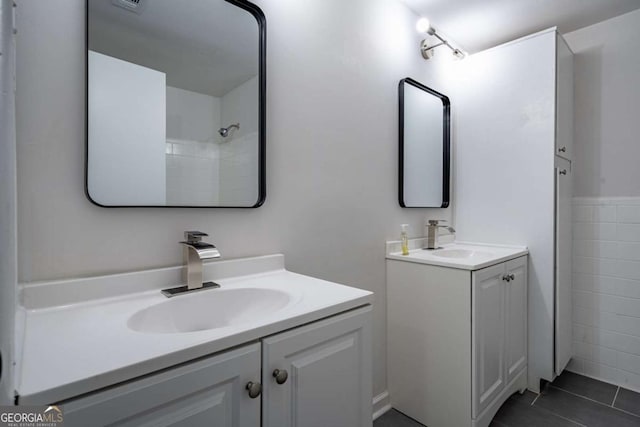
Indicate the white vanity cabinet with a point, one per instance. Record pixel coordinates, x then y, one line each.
207 392
499 330
457 340
327 383
325 374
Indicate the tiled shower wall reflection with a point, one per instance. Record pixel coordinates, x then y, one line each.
192 152
606 289
203 168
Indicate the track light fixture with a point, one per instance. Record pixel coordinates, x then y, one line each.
424 26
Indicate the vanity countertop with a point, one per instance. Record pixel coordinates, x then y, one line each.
460 255
74 346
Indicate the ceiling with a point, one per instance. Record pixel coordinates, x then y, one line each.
475 25
205 46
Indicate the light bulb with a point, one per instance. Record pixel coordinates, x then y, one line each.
458 54
423 25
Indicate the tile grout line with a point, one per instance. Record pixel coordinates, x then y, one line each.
555 414
605 293
615 397
534 400
565 418
578 395
595 401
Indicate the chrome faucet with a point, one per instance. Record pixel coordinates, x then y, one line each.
194 252
432 232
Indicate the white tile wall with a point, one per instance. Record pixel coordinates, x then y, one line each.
239 170
192 154
189 163
606 289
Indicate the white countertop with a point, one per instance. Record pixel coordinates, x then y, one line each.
475 255
84 345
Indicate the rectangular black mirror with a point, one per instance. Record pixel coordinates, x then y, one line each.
424 146
175 103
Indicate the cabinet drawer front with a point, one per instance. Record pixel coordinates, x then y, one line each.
488 336
329 374
208 392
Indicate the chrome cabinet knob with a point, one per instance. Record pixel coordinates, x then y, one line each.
506 277
562 149
280 375
563 172
254 389
512 276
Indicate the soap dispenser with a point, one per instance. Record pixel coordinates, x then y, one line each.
404 238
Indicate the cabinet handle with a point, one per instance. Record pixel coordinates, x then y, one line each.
512 277
254 389
563 172
506 277
280 375
562 150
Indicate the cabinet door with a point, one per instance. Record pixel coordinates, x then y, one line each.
563 267
564 99
210 392
516 321
488 336
328 365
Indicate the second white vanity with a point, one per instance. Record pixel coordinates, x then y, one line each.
457 331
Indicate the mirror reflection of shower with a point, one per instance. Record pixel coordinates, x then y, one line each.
224 132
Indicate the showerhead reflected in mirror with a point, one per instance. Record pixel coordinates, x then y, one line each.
224 132
424 146
176 103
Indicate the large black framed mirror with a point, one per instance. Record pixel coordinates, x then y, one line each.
176 103
424 146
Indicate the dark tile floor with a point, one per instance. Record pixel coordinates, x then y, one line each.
570 401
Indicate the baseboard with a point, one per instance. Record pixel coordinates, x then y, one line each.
381 404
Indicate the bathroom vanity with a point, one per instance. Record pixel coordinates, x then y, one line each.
268 348
457 331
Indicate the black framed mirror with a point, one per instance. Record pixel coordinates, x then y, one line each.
176 103
424 146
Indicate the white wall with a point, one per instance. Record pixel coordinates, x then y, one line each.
192 152
606 219
333 70
607 100
239 106
127 114
8 218
192 116
239 150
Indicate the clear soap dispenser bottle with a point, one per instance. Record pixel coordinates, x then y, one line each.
404 239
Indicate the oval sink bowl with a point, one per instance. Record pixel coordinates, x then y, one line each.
459 253
210 309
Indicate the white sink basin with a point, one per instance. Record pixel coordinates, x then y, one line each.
459 253
209 309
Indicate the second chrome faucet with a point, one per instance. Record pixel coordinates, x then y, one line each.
432 233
